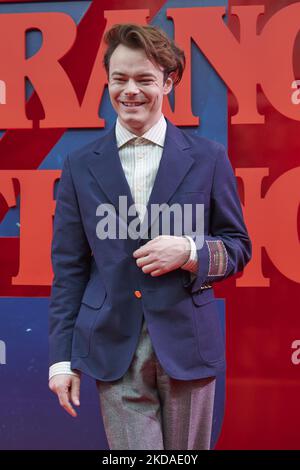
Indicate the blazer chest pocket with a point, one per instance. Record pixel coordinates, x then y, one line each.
91 306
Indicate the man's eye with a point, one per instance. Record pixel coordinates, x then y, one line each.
146 82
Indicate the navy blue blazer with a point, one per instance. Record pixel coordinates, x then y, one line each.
95 316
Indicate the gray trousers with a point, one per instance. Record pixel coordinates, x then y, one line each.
147 409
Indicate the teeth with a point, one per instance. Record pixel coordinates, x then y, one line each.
131 104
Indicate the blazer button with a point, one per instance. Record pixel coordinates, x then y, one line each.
138 294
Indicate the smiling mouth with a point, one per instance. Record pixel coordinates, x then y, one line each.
129 104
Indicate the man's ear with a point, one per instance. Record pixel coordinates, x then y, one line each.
168 85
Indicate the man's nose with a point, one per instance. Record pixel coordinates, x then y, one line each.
131 88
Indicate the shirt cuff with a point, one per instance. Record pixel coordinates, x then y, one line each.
192 263
62 368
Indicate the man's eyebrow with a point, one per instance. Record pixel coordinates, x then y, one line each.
142 74
118 73
146 74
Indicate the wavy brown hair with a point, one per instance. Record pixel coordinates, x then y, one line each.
158 47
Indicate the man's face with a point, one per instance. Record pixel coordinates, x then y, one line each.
136 88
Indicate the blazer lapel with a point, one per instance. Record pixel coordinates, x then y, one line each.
105 165
174 165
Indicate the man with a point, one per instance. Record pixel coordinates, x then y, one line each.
138 313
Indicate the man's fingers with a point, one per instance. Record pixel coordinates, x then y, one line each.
143 261
157 272
143 251
75 390
63 396
67 389
150 267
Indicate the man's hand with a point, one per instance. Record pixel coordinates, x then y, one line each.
66 387
162 254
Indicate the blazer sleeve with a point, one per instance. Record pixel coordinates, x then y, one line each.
227 248
71 259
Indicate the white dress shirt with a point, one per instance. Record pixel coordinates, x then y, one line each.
140 158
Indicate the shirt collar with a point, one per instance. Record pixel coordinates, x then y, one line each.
156 134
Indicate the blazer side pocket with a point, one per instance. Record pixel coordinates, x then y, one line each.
91 306
209 333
